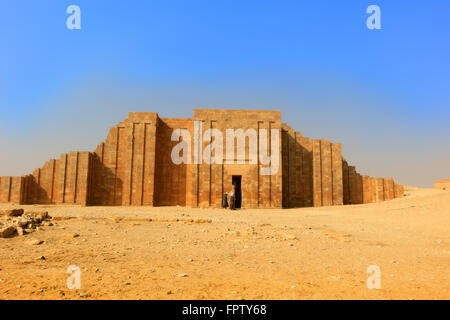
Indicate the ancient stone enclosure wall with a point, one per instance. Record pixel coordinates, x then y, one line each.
133 167
312 171
442 184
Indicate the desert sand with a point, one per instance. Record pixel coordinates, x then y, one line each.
187 253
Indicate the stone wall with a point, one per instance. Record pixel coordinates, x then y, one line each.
123 168
312 171
442 184
133 167
62 181
360 189
11 189
210 180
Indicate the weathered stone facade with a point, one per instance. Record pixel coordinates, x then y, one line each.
133 167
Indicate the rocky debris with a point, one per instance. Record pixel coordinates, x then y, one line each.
290 237
20 231
42 215
11 212
16 221
69 236
182 275
7 231
34 242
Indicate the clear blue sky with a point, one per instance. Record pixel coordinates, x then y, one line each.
385 94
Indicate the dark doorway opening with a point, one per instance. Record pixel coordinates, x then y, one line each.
238 191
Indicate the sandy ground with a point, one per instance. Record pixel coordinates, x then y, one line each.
307 253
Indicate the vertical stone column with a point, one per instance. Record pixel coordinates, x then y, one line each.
285 166
307 171
62 178
149 164
380 189
16 190
276 178
72 178
292 170
345 182
128 155
110 171
327 185
139 158
359 188
388 189
374 187
265 180
337 178
317 174
4 189
300 188
367 195
83 173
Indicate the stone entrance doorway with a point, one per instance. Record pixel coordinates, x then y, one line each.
236 181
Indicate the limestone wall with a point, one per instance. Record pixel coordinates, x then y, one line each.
210 180
312 171
133 166
11 189
123 166
62 181
442 184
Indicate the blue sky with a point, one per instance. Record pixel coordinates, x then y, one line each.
385 94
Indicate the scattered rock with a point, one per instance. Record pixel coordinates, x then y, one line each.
20 231
22 222
182 275
69 236
7 231
15 220
34 242
11 212
42 215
